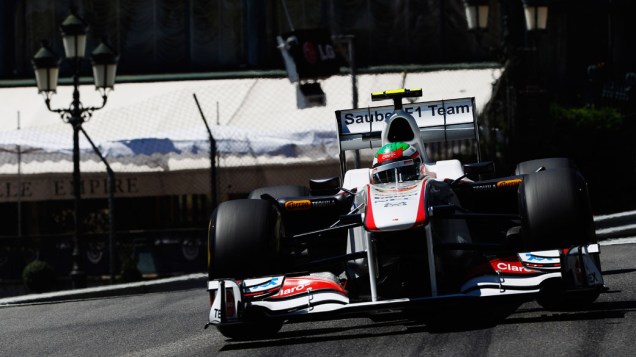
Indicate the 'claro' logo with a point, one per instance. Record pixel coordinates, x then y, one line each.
298 205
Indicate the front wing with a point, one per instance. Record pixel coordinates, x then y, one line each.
321 295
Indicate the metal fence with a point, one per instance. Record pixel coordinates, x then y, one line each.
155 140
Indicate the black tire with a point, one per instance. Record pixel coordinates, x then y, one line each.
555 210
528 167
243 239
280 191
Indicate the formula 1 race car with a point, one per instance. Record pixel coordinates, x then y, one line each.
408 235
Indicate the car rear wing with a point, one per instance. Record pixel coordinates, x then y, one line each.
439 121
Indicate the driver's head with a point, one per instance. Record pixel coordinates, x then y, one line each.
396 162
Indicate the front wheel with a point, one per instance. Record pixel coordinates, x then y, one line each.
280 191
244 239
555 210
528 167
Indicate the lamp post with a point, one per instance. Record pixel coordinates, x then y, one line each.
535 11
476 14
536 14
46 66
519 53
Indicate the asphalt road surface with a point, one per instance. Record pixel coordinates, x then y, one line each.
171 324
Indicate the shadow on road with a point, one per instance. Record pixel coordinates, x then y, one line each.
326 334
597 311
618 271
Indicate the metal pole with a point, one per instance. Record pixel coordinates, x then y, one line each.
111 207
111 223
19 184
289 20
354 85
213 192
78 276
350 41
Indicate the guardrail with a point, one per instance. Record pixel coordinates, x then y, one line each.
618 225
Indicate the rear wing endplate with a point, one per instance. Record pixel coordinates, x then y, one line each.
439 121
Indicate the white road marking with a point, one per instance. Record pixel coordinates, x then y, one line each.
618 241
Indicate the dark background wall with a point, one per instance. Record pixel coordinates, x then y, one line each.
175 36
581 60
159 36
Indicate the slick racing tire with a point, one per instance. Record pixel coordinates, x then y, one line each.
555 210
528 167
243 239
280 191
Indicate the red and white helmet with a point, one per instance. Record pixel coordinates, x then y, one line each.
396 162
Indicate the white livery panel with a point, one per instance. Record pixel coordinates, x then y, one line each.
395 206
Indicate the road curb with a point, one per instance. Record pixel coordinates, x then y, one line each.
618 225
191 281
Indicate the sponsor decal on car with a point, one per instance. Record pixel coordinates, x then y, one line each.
544 260
267 285
323 203
304 205
529 257
510 265
419 110
298 205
509 183
292 290
485 187
302 285
390 209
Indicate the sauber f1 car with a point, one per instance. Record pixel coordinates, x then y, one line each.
408 235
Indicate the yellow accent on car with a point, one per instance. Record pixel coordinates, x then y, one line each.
397 93
298 205
509 183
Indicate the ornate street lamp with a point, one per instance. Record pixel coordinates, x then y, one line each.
535 11
45 64
104 61
74 31
476 14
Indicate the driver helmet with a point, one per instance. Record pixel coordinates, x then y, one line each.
396 162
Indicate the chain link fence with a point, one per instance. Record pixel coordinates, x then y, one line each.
154 138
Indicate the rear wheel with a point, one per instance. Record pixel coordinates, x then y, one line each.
243 239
